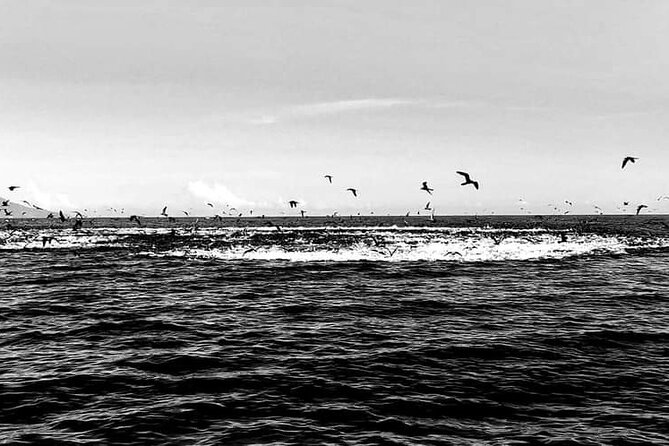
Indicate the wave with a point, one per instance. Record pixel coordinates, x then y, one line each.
336 244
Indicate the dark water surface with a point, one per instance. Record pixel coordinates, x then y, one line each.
115 346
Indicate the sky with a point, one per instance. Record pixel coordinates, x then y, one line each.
119 103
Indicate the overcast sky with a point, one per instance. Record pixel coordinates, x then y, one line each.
144 104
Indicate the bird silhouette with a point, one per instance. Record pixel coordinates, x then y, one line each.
135 219
5 203
427 206
164 212
210 205
628 159
329 177
61 216
302 212
638 208
185 213
13 187
468 180
353 191
293 203
426 188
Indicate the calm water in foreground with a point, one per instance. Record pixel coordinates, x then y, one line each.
358 335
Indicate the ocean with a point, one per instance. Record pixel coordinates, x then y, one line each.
346 330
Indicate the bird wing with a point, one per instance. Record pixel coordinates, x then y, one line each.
625 162
464 174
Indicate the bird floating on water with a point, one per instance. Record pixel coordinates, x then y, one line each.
468 180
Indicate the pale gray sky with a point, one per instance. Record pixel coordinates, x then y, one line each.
141 104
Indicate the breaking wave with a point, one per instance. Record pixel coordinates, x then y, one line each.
309 244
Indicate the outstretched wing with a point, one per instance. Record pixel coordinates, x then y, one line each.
464 174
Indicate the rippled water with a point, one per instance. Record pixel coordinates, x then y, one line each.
237 335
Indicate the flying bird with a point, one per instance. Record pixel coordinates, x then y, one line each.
569 202
293 203
638 208
468 180
329 177
61 216
427 206
628 159
353 191
210 205
13 187
426 188
185 213
5 203
164 212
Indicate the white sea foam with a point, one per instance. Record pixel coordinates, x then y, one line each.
307 244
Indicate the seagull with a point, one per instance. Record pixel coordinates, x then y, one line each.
210 205
353 191
5 203
13 187
626 203
185 213
293 203
164 212
468 180
7 213
329 177
628 159
302 212
569 202
427 206
638 208
50 215
61 216
426 188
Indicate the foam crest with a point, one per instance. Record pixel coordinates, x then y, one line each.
335 244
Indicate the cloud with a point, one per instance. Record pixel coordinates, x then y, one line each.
217 193
50 200
330 108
